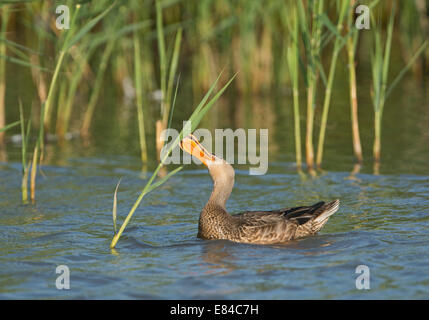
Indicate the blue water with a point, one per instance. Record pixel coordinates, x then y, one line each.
382 223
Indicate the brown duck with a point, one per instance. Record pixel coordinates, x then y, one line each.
262 227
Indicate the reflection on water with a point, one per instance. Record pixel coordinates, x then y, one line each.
382 222
217 254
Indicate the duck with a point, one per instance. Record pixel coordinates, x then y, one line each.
256 227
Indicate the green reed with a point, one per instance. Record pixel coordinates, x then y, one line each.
75 78
351 56
310 26
25 134
413 30
98 82
293 63
59 62
380 62
139 96
70 39
242 36
38 149
4 20
168 68
138 81
9 126
343 6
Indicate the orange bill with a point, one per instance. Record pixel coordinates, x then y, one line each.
191 145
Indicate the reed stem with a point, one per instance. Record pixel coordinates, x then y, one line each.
351 49
380 64
297 127
25 167
4 21
52 87
139 97
331 76
377 136
84 131
311 30
309 131
37 151
293 62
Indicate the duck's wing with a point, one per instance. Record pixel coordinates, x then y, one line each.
264 227
302 214
285 224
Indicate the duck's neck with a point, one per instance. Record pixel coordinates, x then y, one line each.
220 195
216 205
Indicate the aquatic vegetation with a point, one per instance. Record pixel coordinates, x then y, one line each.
293 63
351 55
139 96
277 46
25 165
3 26
168 69
311 33
9 126
380 61
338 44
86 123
37 154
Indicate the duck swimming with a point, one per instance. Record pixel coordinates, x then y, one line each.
259 227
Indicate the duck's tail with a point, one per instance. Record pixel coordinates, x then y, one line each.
319 218
326 211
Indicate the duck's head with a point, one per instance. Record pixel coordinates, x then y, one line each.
221 171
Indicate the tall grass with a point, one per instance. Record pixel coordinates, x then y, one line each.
25 134
59 62
75 78
139 96
98 82
311 26
9 126
70 39
413 30
38 76
4 20
351 56
293 63
140 42
168 69
38 149
343 6
380 62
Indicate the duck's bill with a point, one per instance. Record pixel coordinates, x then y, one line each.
191 145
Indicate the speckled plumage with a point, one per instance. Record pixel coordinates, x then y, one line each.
262 227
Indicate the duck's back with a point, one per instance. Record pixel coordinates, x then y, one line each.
283 225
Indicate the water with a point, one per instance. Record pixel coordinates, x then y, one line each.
382 223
